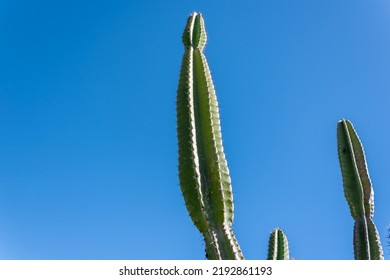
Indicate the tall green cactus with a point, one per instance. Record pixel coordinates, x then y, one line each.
203 171
204 174
358 192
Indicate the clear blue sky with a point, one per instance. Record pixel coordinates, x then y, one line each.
88 149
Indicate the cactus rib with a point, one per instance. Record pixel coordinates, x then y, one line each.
203 172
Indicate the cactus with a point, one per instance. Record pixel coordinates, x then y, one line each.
204 174
203 171
278 246
358 192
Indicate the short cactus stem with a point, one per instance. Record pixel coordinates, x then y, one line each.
278 246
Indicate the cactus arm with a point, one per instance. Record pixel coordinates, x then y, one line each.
203 172
358 192
357 184
278 246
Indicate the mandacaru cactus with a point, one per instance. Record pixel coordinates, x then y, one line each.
204 174
358 192
203 171
278 246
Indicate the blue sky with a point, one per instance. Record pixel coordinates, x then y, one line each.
88 149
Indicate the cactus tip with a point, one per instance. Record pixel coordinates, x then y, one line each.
278 248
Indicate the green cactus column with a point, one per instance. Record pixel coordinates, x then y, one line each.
278 246
358 192
203 172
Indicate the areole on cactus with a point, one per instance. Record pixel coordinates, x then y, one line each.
204 174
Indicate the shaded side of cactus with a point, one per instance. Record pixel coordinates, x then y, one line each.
358 192
278 246
203 171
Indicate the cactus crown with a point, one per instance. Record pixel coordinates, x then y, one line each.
194 34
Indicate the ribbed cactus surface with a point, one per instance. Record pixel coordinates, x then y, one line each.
358 192
278 246
203 171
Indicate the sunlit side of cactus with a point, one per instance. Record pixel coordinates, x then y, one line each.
358 192
203 171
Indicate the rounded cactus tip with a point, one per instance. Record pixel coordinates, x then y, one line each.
278 245
343 120
194 34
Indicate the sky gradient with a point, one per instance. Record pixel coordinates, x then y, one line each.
88 149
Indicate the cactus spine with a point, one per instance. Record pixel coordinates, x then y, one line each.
358 192
203 171
278 246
